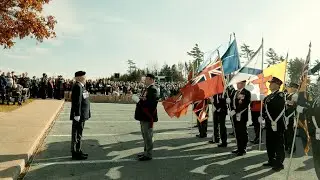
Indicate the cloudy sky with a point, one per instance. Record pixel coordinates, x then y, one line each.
99 36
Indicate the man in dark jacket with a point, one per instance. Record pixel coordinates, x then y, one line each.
3 86
146 113
80 112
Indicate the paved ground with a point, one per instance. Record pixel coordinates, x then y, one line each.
112 138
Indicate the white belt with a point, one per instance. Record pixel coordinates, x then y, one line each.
287 119
274 122
314 122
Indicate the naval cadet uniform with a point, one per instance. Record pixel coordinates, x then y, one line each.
273 113
240 102
219 119
290 113
314 132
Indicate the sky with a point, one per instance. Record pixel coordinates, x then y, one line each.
99 36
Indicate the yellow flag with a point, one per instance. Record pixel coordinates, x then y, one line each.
276 70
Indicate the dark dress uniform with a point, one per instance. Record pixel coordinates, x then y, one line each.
146 113
219 119
314 123
240 102
80 107
273 113
290 120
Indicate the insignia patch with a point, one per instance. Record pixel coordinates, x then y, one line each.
281 95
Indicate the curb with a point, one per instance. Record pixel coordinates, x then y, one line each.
24 165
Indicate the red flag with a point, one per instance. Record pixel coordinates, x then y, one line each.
208 83
201 109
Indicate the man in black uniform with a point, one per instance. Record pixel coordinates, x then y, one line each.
240 101
146 113
219 120
80 112
313 119
273 113
291 105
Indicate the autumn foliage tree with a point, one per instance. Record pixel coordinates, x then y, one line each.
22 18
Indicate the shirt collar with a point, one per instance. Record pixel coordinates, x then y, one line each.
150 85
81 84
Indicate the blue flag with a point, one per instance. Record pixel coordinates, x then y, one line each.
230 59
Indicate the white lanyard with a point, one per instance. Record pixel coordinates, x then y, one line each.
277 119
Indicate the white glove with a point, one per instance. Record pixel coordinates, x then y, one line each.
260 119
228 100
233 112
300 109
262 96
77 118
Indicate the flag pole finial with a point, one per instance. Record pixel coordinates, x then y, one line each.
310 45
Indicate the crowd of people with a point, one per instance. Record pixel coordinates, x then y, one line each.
16 88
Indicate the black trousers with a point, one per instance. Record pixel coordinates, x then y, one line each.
288 135
219 125
241 132
3 95
255 115
76 135
275 146
203 127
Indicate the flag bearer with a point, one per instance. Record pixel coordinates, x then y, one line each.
240 101
273 113
291 105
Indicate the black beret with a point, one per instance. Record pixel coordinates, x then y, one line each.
79 73
294 85
151 76
276 80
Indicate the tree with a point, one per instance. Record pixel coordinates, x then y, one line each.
246 52
22 18
132 66
273 57
294 69
197 55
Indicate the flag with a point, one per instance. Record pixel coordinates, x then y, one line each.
201 110
303 99
249 72
276 70
230 59
208 83
175 106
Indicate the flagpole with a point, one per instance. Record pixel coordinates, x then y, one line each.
261 103
298 116
285 71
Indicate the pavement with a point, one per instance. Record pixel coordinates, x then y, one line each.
112 139
21 131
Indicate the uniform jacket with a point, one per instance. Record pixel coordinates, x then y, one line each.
275 102
80 104
146 110
240 102
290 108
219 102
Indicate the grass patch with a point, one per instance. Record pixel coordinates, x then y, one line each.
11 107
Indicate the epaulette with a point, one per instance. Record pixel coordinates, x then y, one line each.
281 94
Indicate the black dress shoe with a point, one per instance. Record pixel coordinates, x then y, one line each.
140 155
214 142
223 145
256 141
79 157
278 168
235 151
268 164
201 136
241 153
145 158
83 154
